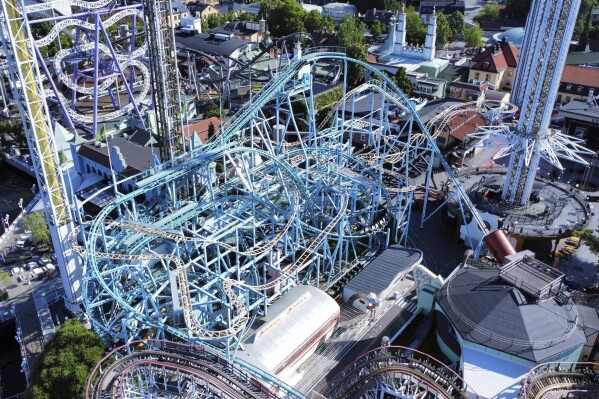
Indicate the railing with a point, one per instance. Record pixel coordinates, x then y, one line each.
570 376
234 371
428 371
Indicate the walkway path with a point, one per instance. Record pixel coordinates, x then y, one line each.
356 334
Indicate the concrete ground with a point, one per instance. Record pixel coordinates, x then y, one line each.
581 267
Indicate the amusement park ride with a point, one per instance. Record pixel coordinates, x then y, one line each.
208 238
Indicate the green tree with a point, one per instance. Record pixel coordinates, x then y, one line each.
402 81
313 21
590 239
473 36
376 28
489 12
584 23
36 222
211 109
213 20
351 36
415 29
67 360
391 5
456 23
283 16
444 32
4 278
42 29
322 114
328 24
15 130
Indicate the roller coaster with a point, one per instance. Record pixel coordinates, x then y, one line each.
203 244
562 380
196 248
167 369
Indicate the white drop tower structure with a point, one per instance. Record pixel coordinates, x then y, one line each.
548 31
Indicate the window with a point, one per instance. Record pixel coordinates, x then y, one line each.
568 87
509 72
476 76
579 89
363 138
508 83
441 140
487 78
568 98
559 98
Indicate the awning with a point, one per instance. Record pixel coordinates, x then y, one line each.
89 181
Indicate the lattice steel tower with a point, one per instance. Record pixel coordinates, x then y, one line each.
548 30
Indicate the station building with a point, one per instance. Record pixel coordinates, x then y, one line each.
295 325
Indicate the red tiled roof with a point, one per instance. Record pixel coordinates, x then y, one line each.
97 156
371 58
581 75
201 128
499 56
94 155
464 124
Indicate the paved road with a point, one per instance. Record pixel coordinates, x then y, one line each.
20 296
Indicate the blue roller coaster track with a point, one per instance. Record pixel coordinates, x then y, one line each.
196 248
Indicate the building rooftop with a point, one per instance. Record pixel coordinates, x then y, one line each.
496 95
345 7
486 310
515 36
379 274
433 108
201 128
531 276
455 70
496 58
207 44
580 108
237 28
291 321
583 58
581 75
137 147
465 123
373 14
